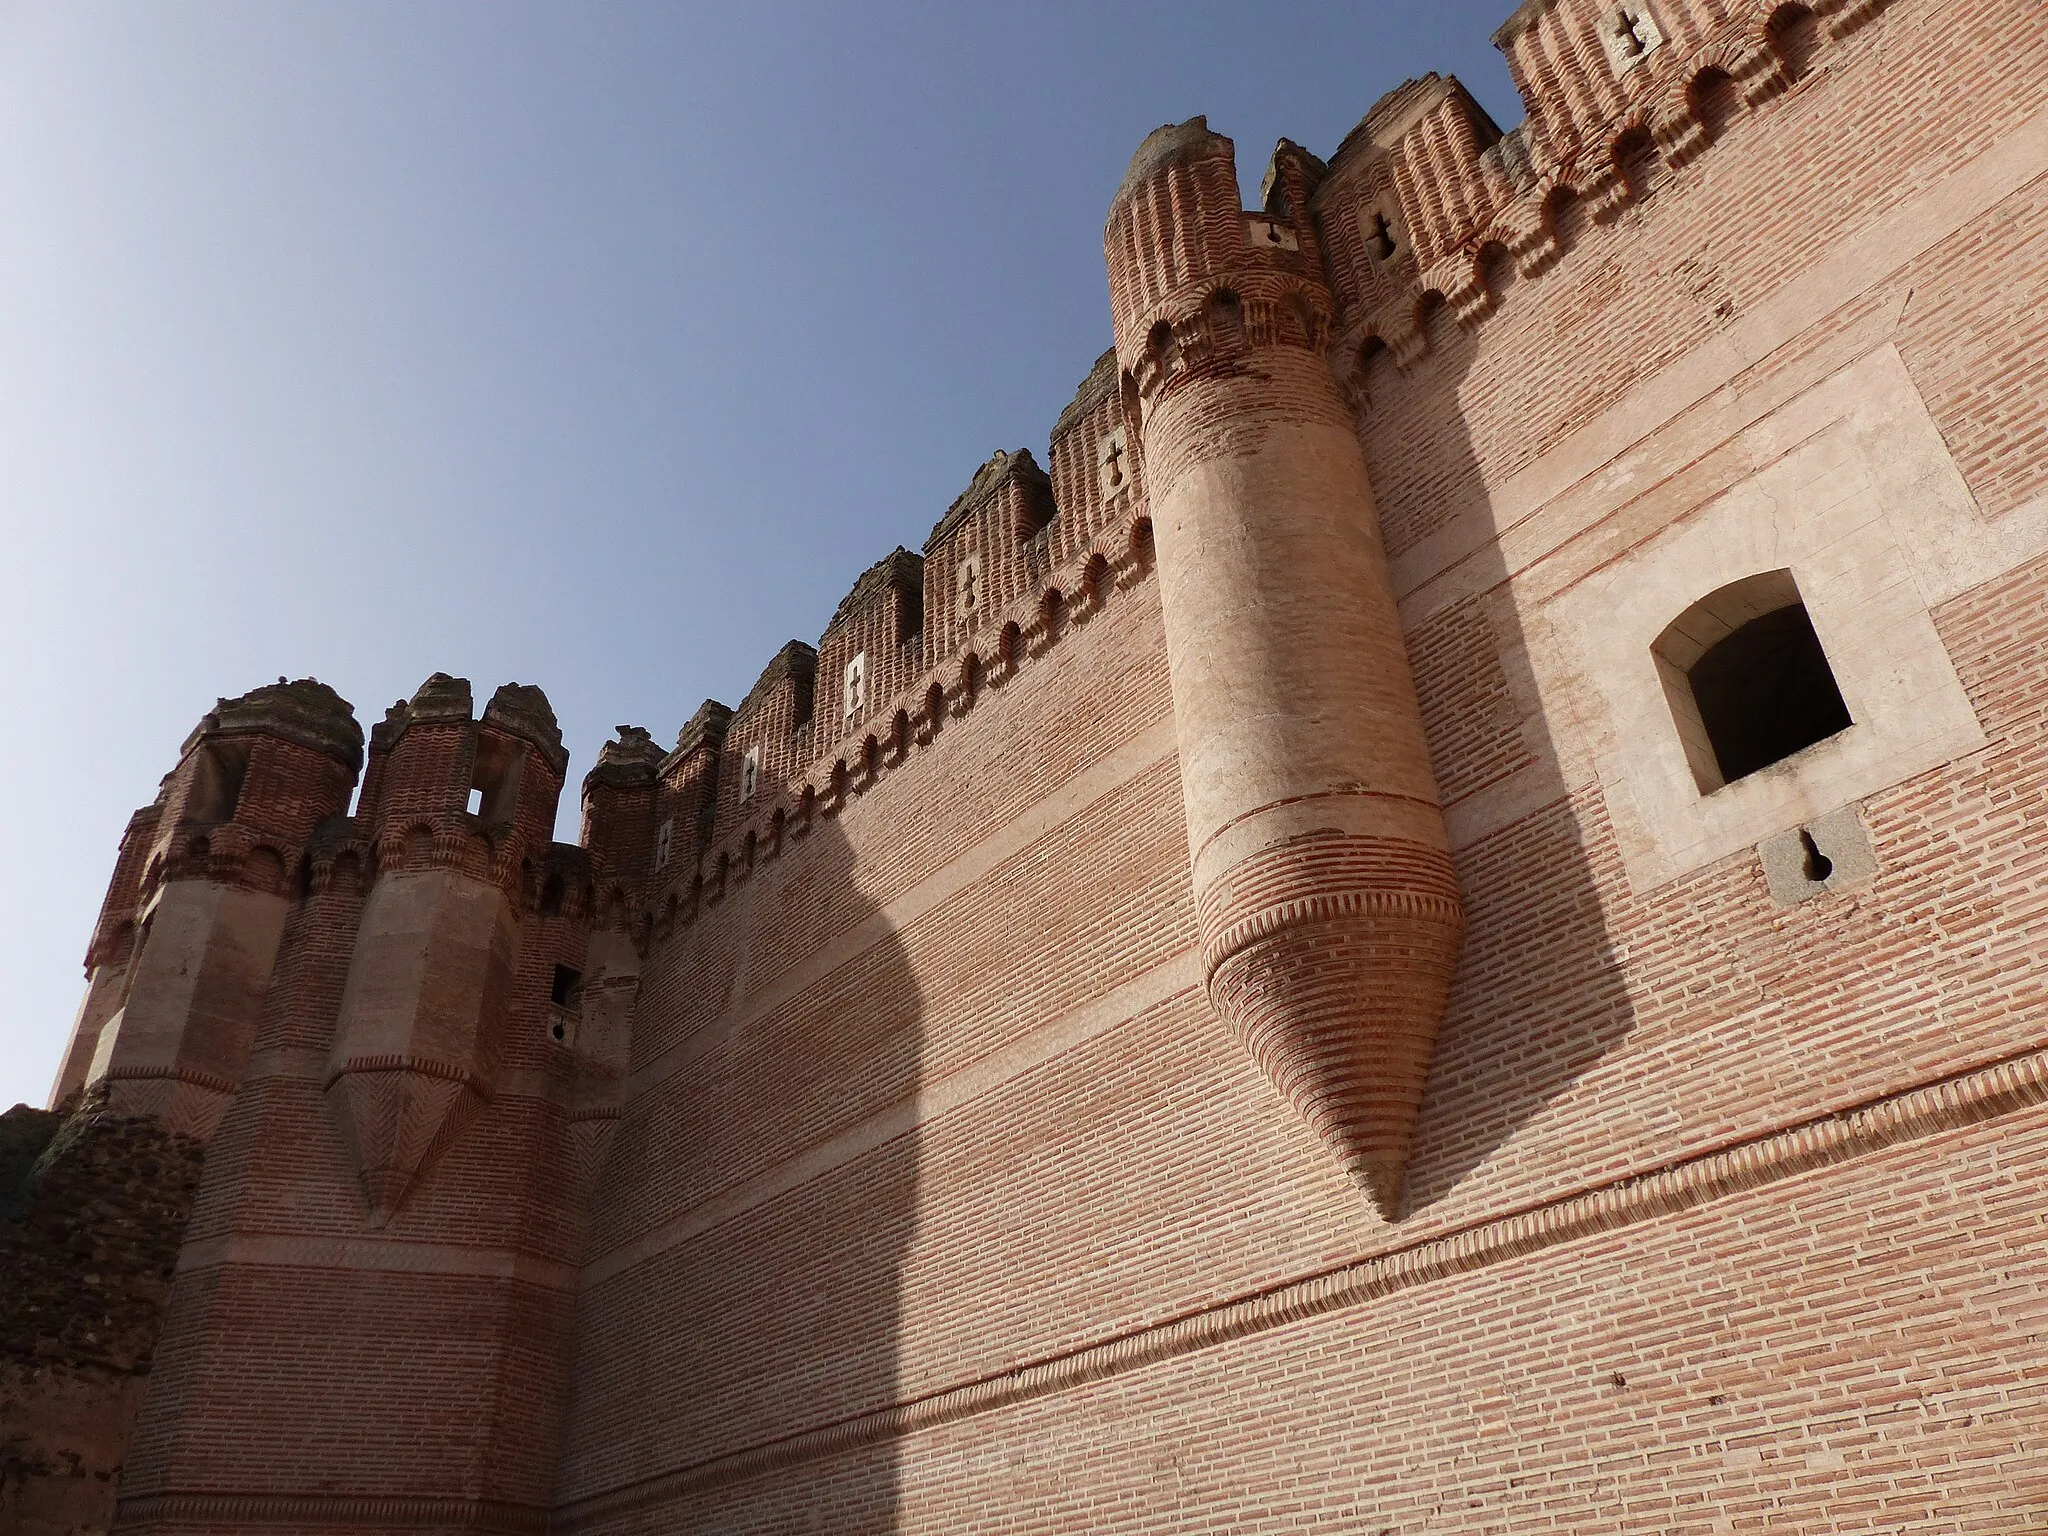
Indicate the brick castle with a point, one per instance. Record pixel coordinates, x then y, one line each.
1439 925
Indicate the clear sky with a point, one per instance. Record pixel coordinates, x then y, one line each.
598 345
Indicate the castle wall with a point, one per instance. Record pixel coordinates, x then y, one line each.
853 1143
1716 1216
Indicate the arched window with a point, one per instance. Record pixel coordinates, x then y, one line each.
1748 681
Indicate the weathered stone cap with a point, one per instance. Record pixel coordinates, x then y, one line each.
899 568
1173 144
795 662
307 712
1101 380
629 762
441 697
706 729
1272 197
999 471
523 709
1389 118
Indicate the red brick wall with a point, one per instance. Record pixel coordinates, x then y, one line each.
1844 1347
941 1200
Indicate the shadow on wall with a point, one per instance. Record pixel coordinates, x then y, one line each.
741 1310
1538 998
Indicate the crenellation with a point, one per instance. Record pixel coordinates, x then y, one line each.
872 647
1095 460
765 744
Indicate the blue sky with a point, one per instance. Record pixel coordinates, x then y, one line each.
598 345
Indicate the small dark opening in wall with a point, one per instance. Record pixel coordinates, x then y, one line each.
1795 35
909 614
217 781
494 781
1379 238
1766 692
1818 866
1716 101
567 991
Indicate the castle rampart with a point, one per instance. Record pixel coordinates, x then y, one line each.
858 1131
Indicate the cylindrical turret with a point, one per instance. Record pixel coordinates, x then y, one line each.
1329 912
464 809
257 776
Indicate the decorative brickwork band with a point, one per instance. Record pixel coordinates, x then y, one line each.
1322 876
1329 913
272 1512
184 1100
398 1114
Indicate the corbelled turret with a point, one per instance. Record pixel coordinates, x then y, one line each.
463 809
191 927
1329 913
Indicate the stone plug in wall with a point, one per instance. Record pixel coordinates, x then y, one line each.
1431 925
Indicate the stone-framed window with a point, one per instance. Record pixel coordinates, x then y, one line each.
1113 463
664 843
750 774
1379 226
1748 679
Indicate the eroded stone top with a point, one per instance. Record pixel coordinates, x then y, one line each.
307 712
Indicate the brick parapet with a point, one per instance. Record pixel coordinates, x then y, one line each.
113 935
1456 193
891 733
942 1029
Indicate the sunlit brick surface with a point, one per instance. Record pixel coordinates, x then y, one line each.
962 1131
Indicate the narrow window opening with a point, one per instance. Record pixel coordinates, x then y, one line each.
494 780
567 991
551 895
909 613
1818 865
854 690
750 774
217 781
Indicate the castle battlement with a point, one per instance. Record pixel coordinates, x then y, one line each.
1411 212
1431 919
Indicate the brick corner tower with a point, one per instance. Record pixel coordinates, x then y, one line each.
189 932
1330 917
463 811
